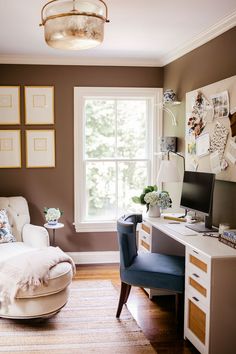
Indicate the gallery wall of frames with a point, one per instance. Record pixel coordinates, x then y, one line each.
34 128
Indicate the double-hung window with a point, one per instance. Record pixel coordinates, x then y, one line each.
115 138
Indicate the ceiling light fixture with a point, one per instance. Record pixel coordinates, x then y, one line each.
74 24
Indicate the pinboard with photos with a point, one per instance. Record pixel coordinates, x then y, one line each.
210 135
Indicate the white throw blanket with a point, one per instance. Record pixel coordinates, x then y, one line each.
28 270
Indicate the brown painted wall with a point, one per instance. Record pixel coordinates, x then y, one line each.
54 186
214 61
211 62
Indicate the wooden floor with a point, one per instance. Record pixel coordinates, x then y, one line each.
156 318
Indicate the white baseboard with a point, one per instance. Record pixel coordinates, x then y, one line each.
95 257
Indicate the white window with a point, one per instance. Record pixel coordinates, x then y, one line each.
115 137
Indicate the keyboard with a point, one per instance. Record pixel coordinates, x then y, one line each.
181 229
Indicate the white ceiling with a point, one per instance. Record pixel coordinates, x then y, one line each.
140 33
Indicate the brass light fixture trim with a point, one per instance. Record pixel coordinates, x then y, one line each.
74 24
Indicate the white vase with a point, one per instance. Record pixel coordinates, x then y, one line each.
154 211
52 222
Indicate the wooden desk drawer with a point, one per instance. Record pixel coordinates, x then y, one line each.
200 291
198 263
197 286
146 227
196 321
198 275
145 240
200 260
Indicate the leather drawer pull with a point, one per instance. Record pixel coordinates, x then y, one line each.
195 251
196 299
196 275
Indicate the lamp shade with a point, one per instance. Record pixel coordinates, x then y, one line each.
74 24
168 172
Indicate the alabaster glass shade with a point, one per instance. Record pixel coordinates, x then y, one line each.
75 24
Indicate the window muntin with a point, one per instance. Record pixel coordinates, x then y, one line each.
117 138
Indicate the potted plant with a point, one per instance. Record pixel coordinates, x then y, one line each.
154 200
52 215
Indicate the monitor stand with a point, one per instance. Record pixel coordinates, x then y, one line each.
204 227
200 227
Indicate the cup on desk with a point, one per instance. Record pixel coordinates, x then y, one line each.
188 218
223 227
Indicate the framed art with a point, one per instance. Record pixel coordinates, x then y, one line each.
10 149
39 105
40 148
9 105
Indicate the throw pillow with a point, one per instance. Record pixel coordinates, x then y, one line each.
5 228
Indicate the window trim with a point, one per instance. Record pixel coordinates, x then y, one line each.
155 129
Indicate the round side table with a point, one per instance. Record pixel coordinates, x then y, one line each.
59 225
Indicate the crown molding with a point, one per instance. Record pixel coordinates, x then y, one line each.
212 32
89 61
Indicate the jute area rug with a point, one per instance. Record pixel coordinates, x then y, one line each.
87 324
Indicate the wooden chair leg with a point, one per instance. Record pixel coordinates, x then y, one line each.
124 294
128 288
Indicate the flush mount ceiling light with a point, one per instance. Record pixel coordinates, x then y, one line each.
74 24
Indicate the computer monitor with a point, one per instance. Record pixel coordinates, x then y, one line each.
197 195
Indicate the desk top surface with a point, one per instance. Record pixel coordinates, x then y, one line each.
210 246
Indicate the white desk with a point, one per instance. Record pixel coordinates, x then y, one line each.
210 287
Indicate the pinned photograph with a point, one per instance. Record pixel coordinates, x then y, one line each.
197 119
203 144
191 147
220 103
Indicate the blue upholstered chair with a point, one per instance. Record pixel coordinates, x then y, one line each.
146 270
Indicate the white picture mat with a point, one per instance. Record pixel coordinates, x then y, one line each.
9 105
208 91
10 149
40 148
39 105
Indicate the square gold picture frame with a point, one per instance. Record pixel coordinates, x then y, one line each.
10 148
40 148
9 105
39 105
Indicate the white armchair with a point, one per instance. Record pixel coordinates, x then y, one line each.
43 301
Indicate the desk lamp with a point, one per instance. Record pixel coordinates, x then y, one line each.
168 171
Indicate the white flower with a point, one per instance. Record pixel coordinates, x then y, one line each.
158 198
152 198
52 214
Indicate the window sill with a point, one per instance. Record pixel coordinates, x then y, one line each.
95 226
